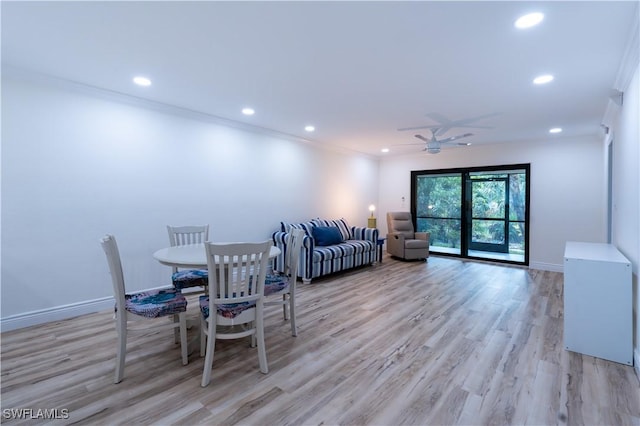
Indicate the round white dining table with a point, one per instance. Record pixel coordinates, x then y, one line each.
191 256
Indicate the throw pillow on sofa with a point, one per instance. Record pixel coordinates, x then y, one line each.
326 235
341 224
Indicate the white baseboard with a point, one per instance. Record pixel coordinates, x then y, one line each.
57 313
546 266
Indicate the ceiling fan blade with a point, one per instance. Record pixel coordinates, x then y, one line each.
431 126
453 138
444 124
422 138
440 119
444 130
466 121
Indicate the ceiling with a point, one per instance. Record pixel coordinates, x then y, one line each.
357 71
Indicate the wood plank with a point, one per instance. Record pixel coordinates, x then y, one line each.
439 342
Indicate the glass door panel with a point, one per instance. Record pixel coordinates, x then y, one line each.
444 234
438 211
488 216
516 238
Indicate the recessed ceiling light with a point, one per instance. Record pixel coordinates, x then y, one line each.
385 150
543 79
248 111
529 20
142 81
309 128
555 130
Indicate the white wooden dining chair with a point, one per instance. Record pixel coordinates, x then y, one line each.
183 235
141 307
235 301
280 287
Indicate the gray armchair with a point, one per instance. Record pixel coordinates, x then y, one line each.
402 241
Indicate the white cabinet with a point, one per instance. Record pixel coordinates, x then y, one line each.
597 302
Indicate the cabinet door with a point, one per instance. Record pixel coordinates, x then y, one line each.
597 309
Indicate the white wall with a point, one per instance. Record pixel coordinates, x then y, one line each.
566 188
78 163
626 190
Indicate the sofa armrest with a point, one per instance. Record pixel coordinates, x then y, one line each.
279 240
306 256
361 233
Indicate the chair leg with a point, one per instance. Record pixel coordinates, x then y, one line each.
203 335
183 338
210 347
292 312
176 331
253 336
121 350
284 307
262 352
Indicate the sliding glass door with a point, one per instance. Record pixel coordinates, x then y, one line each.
474 212
488 217
438 210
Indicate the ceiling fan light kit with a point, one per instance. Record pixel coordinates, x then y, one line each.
434 145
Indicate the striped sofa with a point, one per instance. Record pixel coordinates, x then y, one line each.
358 247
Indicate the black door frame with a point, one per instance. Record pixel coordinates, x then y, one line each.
469 216
464 249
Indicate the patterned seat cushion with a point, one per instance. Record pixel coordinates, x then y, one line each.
190 278
275 283
156 303
231 310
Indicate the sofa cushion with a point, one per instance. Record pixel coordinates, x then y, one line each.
346 248
341 224
416 244
326 235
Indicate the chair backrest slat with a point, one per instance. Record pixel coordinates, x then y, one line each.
184 235
237 271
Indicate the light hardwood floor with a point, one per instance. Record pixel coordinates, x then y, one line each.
412 343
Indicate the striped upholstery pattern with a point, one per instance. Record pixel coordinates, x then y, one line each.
315 261
306 226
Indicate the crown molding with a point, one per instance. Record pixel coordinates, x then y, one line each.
631 57
628 66
123 98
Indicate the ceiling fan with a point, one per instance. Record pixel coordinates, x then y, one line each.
434 145
444 124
